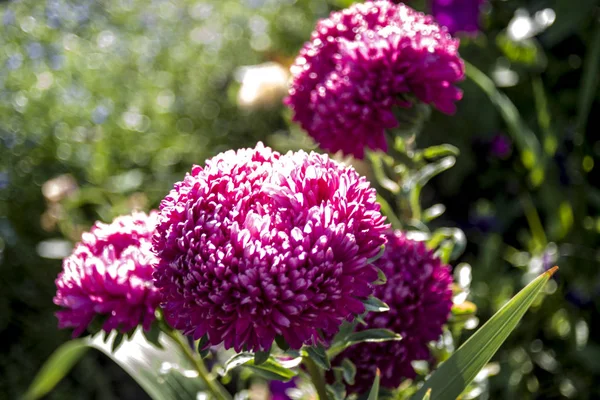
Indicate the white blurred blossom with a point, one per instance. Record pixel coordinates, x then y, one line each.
262 85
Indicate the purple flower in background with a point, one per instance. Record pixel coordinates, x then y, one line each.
419 293
457 15
257 244
279 389
110 273
363 62
501 146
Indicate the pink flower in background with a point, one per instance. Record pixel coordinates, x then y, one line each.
110 274
458 15
362 63
419 293
257 244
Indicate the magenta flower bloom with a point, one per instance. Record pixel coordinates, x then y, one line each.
110 273
361 64
419 293
457 15
257 244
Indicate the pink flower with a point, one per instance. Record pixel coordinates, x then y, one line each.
362 64
257 244
419 293
110 274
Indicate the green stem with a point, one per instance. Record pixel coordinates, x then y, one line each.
316 376
218 391
535 224
524 138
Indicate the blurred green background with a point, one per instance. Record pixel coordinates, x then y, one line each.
103 105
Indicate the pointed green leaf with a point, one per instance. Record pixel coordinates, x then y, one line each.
271 368
153 335
261 356
319 356
281 343
203 346
337 391
118 339
348 371
441 150
366 336
381 278
372 336
376 305
163 373
374 393
238 360
453 376
54 370
377 256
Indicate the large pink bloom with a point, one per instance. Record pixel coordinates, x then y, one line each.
110 274
419 293
364 61
258 244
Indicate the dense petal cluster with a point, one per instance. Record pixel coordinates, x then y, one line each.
419 293
110 274
458 15
364 61
257 244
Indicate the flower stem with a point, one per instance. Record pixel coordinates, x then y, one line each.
213 386
316 377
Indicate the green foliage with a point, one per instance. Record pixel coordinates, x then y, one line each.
457 372
163 373
55 369
271 368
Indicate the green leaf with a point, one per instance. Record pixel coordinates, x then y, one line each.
377 166
319 356
163 373
452 241
424 175
453 376
372 336
337 391
415 183
271 368
374 393
203 346
525 51
433 212
281 343
54 370
381 278
366 336
261 356
238 360
348 371
153 335
377 256
463 311
118 339
442 150
375 305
